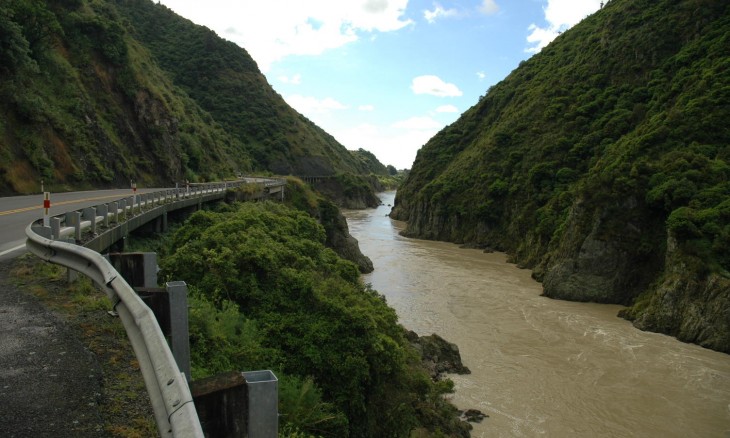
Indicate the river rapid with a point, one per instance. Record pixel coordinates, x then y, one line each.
542 367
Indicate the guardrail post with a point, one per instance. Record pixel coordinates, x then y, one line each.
76 215
178 295
103 211
89 214
263 400
122 210
43 231
56 228
114 207
72 275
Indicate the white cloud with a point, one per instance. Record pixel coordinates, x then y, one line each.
273 29
489 7
294 80
435 86
447 109
560 16
309 106
438 12
366 108
481 75
395 146
418 124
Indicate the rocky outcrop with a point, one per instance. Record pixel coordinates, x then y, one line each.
599 258
693 308
473 416
348 191
438 355
339 238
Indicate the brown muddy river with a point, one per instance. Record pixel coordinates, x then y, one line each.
542 367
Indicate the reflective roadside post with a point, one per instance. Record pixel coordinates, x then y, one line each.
46 208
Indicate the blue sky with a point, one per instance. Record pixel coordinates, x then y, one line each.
386 75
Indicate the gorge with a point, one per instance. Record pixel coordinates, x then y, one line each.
542 367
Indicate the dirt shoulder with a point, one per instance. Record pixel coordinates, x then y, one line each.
66 367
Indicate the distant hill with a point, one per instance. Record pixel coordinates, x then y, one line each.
602 164
100 93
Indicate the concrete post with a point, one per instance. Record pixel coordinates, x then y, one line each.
56 228
77 225
103 211
115 212
122 209
89 214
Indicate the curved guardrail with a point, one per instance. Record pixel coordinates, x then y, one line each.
169 393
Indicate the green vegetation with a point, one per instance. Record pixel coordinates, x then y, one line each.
267 294
615 136
386 177
394 179
82 103
102 92
225 81
370 162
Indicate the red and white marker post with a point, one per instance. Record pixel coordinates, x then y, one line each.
46 209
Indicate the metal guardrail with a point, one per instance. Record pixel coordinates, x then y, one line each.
169 393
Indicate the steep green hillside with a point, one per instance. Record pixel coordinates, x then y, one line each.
370 162
82 103
101 92
602 163
224 80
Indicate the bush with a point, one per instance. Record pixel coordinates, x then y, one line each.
271 295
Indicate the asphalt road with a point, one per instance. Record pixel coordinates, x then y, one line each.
16 212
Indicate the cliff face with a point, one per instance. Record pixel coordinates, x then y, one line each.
601 163
688 302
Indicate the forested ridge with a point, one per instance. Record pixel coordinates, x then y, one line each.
602 164
97 93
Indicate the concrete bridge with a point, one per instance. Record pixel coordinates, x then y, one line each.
75 240
101 226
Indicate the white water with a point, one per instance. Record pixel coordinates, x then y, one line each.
542 367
